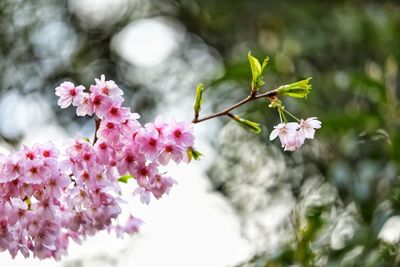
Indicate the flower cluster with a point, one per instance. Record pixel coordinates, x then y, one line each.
292 135
48 196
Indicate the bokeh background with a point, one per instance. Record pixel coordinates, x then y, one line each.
336 202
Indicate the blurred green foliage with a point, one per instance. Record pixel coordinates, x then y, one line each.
352 50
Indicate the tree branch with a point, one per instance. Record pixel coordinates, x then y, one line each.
226 112
97 121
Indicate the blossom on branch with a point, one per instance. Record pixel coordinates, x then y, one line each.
49 196
292 135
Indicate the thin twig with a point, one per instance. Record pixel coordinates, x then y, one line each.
97 121
226 112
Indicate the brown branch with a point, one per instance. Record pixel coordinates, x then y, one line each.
226 112
97 121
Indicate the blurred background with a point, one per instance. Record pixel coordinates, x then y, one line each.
335 202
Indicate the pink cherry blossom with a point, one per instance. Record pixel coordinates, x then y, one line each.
49 195
144 194
117 114
13 168
130 227
170 151
307 128
181 133
109 131
148 140
131 124
83 105
67 92
130 160
99 104
36 172
161 185
292 142
284 131
108 88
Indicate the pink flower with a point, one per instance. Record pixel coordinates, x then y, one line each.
13 168
292 142
148 140
144 173
170 151
130 161
48 150
144 195
161 185
48 195
88 158
160 125
30 153
130 124
36 172
284 131
181 133
131 226
108 88
56 185
19 212
109 131
99 104
103 152
307 128
117 114
67 92
5 235
74 147
83 104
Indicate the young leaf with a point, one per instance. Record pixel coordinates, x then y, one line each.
265 63
125 178
193 154
298 89
199 99
249 125
257 70
255 66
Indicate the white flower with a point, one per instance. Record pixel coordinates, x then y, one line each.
293 142
307 128
285 131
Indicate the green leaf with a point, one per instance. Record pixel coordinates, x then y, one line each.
125 178
249 125
265 63
257 70
199 99
193 154
86 139
298 89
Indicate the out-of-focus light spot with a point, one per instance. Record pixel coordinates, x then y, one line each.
390 231
147 42
341 80
269 41
291 47
20 115
94 13
55 41
373 70
283 63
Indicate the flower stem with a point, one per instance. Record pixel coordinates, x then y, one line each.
291 115
280 115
